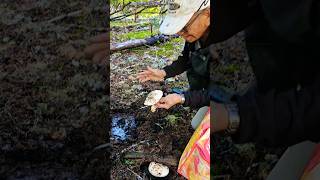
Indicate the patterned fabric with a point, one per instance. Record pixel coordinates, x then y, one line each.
195 161
312 165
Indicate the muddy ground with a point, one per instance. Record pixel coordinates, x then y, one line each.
52 99
162 136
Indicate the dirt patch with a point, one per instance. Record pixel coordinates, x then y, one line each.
155 139
52 99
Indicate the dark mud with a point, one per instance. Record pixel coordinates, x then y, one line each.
123 126
156 139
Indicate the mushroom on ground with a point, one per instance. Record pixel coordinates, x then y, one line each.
158 170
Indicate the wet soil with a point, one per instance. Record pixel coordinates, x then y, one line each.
153 139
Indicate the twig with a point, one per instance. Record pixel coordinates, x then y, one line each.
77 13
129 148
139 177
122 8
102 146
127 15
72 14
158 125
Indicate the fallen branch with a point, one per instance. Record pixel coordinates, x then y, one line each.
167 160
128 148
140 42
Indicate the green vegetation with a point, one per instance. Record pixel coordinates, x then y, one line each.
168 48
163 50
135 35
122 23
231 68
172 120
128 162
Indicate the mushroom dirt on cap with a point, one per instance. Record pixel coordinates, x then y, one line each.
179 12
153 97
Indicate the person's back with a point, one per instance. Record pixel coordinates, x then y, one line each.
281 37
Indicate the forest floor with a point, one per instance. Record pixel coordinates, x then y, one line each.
52 99
139 136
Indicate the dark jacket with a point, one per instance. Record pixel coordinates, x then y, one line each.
193 98
282 39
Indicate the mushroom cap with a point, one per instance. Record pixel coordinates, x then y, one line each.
153 97
158 170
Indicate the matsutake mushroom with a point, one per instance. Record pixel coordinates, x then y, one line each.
158 170
153 98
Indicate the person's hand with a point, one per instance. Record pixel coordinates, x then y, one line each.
219 118
97 48
151 74
169 101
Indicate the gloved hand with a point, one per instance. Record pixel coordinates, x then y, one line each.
151 74
98 49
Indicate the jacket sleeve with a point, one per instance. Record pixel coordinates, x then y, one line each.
200 98
196 99
278 118
180 65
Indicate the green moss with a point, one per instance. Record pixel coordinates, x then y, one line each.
128 162
231 68
135 35
139 50
169 48
121 23
172 120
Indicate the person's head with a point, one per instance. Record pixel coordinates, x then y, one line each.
188 18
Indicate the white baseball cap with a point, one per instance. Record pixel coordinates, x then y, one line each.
179 12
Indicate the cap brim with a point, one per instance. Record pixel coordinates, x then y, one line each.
173 24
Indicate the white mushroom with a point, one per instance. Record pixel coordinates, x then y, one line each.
158 170
153 108
153 97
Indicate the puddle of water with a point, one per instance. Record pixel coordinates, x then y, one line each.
122 126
